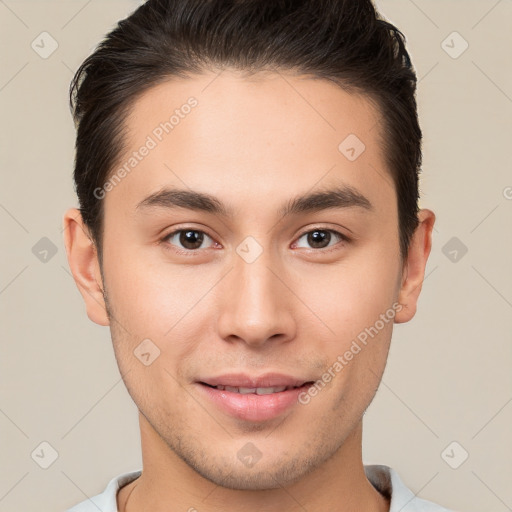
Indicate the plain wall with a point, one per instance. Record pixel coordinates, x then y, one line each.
448 377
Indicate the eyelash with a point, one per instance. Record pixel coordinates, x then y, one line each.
192 252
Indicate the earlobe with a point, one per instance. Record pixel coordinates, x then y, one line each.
414 266
84 265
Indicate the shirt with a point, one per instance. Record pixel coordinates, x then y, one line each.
383 478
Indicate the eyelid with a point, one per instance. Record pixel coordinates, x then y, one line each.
323 228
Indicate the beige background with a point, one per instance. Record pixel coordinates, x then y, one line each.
449 373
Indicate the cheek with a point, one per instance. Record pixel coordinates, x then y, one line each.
157 302
150 296
350 296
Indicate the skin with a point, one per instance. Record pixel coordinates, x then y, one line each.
254 144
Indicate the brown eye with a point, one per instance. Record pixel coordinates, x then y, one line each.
321 238
189 239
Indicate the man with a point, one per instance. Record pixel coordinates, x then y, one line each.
248 228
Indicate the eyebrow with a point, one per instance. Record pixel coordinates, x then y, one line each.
339 197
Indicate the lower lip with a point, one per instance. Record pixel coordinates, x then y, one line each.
253 407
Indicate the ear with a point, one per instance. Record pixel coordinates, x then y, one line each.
84 265
414 266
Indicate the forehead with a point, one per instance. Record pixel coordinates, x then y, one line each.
267 135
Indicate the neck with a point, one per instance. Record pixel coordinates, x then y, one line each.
168 484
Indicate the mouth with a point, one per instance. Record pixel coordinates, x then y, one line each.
254 400
257 391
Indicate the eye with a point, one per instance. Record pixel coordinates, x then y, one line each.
189 239
321 238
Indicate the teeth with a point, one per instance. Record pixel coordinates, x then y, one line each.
246 391
258 391
267 391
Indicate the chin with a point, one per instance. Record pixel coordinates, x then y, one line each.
261 475
248 479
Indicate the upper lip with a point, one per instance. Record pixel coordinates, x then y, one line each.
242 380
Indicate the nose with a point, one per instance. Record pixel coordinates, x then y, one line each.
256 306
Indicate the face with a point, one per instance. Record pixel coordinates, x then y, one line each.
285 264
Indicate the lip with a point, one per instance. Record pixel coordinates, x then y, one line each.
253 407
